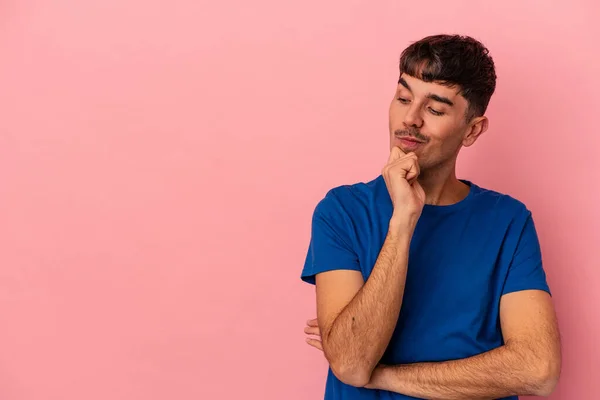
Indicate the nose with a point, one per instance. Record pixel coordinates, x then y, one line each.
413 117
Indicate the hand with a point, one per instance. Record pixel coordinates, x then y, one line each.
312 328
400 175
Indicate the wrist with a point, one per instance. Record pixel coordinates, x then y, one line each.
402 225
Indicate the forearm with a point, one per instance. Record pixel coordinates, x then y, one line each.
361 332
505 371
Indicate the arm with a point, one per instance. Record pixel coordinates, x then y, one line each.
357 321
527 364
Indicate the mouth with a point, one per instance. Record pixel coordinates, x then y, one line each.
410 139
409 143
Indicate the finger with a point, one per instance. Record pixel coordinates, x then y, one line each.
312 322
414 170
409 166
315 343
312 330
395 154
404 157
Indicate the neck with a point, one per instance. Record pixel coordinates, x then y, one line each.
442 187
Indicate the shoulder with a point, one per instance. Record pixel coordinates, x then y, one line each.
502 205
345 198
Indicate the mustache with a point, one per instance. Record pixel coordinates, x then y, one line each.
411 132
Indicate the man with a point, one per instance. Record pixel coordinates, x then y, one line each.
429 286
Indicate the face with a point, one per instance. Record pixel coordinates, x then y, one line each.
428 119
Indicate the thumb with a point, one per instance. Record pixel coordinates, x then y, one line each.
395 154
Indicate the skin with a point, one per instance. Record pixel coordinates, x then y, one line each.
355 319
415 112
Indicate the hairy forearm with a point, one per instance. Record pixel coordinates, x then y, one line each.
361 332
505 371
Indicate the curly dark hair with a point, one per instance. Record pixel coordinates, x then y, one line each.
454 60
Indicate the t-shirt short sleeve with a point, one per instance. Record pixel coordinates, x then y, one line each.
526 269
330 245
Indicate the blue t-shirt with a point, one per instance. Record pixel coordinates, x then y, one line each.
463 258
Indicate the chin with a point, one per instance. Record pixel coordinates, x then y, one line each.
417 148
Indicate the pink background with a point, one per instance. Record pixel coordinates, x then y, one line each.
160 161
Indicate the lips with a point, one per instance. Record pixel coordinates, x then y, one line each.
409 139
409 144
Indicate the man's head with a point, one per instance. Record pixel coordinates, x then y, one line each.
445 85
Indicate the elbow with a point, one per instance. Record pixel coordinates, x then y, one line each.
353 374
546 378
351 366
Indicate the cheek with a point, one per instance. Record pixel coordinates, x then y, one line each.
445 139
446 131
440 127
396 114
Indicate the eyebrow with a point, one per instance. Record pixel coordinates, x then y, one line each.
431 96
440 99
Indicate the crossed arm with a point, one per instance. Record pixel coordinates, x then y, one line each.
357 319
527 364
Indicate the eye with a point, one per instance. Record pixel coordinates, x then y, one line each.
435 112
403 100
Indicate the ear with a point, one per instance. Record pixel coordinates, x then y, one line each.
476 128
